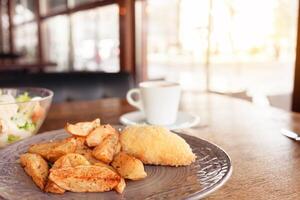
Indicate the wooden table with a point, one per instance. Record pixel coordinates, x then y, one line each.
266 165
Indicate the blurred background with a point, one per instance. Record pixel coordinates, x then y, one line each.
87 49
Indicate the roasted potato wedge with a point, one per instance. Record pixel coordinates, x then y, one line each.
106 150
70 160
67 146
105 165
43 149
52 187
82 128
97 136
36 167
129 167
118 148
80 141
87 153
85 178
121 186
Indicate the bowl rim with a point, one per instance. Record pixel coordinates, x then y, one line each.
49 96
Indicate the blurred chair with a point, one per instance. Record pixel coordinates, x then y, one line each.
72 86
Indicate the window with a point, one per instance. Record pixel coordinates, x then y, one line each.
52 6
74 34
73 3
236 45
57 41
24 11
26 41
96 39
4 32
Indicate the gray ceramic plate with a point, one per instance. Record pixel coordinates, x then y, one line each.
210 171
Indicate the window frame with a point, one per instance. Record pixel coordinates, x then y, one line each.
126 27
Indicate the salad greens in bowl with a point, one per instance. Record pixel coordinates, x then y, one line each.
22 112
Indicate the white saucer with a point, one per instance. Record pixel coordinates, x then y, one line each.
184 120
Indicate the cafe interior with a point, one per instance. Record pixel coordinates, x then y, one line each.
89 49
237 63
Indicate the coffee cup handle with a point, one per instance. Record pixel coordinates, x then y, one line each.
131 101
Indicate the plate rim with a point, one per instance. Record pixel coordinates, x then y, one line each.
220 183
124 121
194 196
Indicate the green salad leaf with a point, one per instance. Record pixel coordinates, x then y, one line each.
23 97
28 126
13 138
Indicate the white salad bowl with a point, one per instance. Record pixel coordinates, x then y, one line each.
22 112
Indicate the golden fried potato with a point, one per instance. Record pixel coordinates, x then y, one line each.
80 141
156 145
52 187
67 146
121 186
101 164
82 128
99 134
43 149
87 153
70 160
106 150
118 148
85 178
129 167
36 167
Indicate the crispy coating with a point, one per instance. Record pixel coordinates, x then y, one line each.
129 167
70 160
82 128
118 148
97 136
121 186
36 167
106 150
80 141
43 149
85 178
156 145
67 146
87 153
52 187
51 151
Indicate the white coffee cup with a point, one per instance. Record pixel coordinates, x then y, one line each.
158 100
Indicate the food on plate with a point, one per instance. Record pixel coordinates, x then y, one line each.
156 145
43 149
96 136
102 164
129 167
70 160
66 146
87 153
36 167
20 117
80 141
85 178
54 150
97 158
118 148
52 187
82 128
106 150
121 186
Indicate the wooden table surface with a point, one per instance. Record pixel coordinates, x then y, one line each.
266 165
